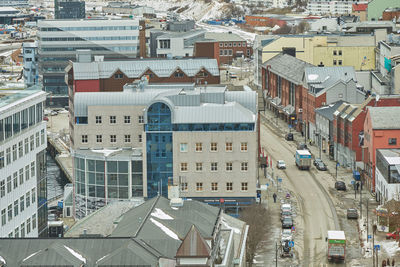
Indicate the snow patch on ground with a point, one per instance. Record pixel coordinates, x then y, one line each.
165 229
390 247
160 214
76 254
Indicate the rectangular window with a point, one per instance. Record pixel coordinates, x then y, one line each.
199 166
214 187
23 229
214 147
392 141
9 211
34 221
37 135
334 52
98 119
334 62
199 147
244 187
32 169
28 199
127 119
8 156
140 138
99 138
141 119
22 203
214 166
229 166
2 188
199 187
243 147
42 137
243 166
113 138
229 186
8 184
15 180
340 62
127 138
228 147
184 187
3 217
28 226
26 146
340 52
33 195
21 176
221 52
118 76
16 208
14 152
84 138
32 141
184 166
183 147
1 159
27 172
20 149
113 119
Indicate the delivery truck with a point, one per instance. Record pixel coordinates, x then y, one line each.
303 159
336 246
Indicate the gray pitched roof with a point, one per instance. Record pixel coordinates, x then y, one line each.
288 67
136 68
327 111
224 37
385 118
322 78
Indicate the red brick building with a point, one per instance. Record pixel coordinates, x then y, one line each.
224 47
391 13
282 79
264 21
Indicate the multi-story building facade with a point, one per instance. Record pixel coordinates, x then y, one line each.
14 3
69 9
333 7
60 39
178 44
31 70
224 47
360 10
23 186
136 142
387 175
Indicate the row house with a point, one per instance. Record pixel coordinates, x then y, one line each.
324 86
282 84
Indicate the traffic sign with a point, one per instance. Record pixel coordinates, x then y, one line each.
291 244
369 236
293 229
377 247
280 180
290 126
267 184
337 164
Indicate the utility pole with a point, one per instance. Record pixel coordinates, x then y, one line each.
276 254
361 198
367 218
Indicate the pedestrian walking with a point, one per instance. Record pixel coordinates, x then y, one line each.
274 196
393 262
302 134
357 185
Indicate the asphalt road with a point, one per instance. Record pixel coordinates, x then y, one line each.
316 212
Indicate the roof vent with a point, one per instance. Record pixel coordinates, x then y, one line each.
176 202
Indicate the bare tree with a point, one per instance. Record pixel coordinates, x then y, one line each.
257 218
285 29
302 27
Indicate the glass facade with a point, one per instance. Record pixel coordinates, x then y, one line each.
99 181
41 193
158 149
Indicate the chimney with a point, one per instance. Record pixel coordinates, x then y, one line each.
83 55
142 38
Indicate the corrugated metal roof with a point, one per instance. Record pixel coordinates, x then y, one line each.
193 245
246 99
328 111
224 37
325 77
136 68
214 113
385 118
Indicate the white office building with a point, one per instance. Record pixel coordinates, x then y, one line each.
31 71
334 7
23 194
387 174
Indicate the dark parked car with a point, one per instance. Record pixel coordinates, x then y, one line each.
289 137
352 214
339 185
285 214
321 166
316 161
287 223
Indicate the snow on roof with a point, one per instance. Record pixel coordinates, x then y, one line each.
160 214
76 254
303 152
227 226
106 152
33 254
2 260
165 229
336 235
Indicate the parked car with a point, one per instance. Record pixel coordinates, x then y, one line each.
321 166
352 214
285 213
301 146
340 185
280 164
316 161
287 223
286 235
393 235
286 207
232 75
289 137
45 118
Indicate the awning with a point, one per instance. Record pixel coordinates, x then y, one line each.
289 110
276 101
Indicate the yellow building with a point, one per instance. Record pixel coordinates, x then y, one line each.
355 51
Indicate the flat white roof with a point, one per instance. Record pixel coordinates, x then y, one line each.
303 152
336 235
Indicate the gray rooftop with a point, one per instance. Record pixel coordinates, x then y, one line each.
324 77
224 37
385 118
183 35
8 98
288 67
327 111
136 68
